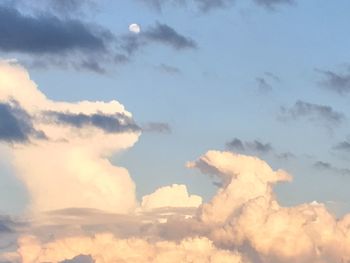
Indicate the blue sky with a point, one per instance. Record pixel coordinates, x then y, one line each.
249 61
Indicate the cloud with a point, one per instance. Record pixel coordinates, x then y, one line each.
165 34
336 82
263 85
115 123
253 146
325 166
271 4
245 213
343 146
169 69
78 150
47 34
15 124
159 127
107 248
209 5
170 196
312 112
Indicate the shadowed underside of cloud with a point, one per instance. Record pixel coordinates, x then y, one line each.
313 112
15 124
108 123
271 4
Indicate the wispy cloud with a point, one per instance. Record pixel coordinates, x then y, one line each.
335 81
252 146
325 166
313 112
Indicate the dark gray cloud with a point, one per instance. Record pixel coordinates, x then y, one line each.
165 34
325 166
271 4
116 123
47 34
343 146
158 127
15 124
159 33
252 146
336 82
312 112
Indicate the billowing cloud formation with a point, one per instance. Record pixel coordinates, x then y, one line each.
243 222
106 248
72 158
246 214
171 196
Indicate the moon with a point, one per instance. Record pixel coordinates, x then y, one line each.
135 28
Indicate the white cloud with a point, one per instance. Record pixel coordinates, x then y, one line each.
171 196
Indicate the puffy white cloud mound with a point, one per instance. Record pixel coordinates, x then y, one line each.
171 196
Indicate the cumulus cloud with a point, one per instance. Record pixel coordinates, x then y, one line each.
78 152
170 196
312 112
107 248
343 146
246 214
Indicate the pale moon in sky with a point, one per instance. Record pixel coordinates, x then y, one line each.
135 28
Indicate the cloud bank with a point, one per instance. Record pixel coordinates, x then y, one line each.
91 212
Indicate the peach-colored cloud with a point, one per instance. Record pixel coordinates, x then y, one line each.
105 248
70 168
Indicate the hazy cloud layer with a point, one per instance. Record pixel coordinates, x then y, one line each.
312 112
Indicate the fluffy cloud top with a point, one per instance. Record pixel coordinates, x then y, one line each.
171 196
69 168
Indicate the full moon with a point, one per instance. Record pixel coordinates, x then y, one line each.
134 28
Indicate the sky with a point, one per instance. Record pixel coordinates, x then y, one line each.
217 131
